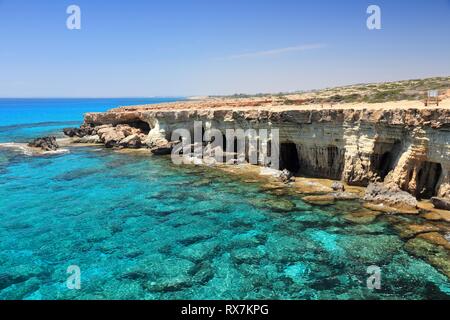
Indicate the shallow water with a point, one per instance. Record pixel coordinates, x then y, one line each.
141 228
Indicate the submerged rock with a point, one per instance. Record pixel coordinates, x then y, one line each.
45 143
436 255
391 195
202 272
247 255
362 216
412 230
159 273
376 249
276 205
436 238
200 251
321 200
169 284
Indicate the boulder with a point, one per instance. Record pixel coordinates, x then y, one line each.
286 176
80 132
441 203
338 186
391 195
162 147
132 141
45 143
111 136
121 135
71 132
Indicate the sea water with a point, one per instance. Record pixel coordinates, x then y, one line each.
140 227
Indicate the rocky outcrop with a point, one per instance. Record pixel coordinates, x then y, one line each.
391 195
407 147
80 132
441 203
46 144
338 186
118 136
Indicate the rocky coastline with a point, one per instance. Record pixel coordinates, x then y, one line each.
396 161
399 149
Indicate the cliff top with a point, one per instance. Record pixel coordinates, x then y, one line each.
275 105
409 94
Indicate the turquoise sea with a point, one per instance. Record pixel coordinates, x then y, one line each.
140 227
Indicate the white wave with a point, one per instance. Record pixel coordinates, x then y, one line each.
30 151
59 151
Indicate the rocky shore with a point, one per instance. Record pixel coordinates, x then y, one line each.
404 149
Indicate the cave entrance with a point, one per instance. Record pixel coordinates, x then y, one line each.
427 179
289 157
384 157
138 124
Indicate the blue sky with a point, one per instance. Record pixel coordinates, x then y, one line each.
199 47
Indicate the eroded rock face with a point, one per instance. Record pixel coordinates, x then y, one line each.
80 132
118 136
408 148
132 141
46 143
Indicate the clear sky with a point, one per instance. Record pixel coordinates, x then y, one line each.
200 47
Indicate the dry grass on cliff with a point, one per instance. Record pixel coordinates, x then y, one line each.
411 90
390 95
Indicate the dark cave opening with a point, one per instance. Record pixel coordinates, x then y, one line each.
427 179
289 157
333 154
384 158
142 125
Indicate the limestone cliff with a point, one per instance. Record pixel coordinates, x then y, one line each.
408 147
